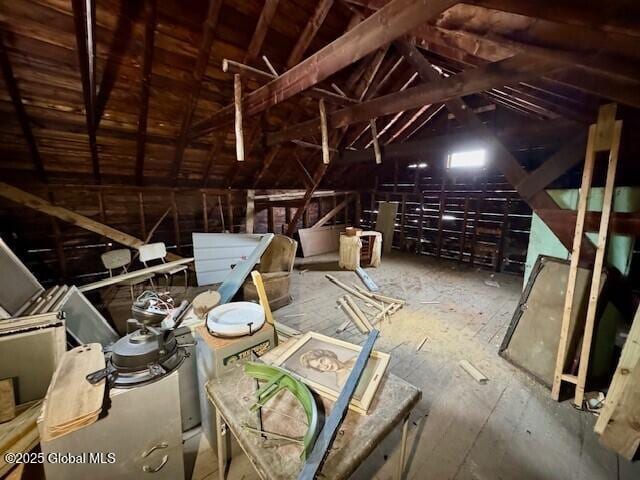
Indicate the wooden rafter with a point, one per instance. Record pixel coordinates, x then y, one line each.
387 24
266 163
336 137
394 118
590 72
306 176
36 203
309 32
149 35
505 72
21 113
541 134
202 61
501 157
260 32
85 20
261 76
570 155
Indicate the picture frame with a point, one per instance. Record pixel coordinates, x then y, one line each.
324 363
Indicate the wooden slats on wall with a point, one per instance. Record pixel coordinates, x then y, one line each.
493 231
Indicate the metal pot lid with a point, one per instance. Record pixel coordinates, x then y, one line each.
141 348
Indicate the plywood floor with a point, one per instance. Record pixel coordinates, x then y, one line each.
508 428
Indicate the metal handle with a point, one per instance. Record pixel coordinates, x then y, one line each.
159 446
148 469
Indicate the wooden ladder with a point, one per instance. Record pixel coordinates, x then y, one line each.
604 136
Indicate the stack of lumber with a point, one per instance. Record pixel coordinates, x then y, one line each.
619 422
72 402
20 434
385 305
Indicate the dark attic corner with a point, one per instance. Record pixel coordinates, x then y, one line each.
332 239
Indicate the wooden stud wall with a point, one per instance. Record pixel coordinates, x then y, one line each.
54 250
454 217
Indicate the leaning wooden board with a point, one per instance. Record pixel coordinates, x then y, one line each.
617 423
72 402
20 434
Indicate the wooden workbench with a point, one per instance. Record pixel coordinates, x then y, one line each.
234 393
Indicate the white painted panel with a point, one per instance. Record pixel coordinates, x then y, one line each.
216 253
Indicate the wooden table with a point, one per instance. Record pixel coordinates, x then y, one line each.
359 435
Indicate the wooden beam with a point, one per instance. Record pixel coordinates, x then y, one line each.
251 211
313 146
309 32
237 101
501 157
149 35
505 72
388 23
202 61
36 203
621 223
570 155
324 131
304 203
333 212
85 20
21 113
306 176
260 32
261 76
540 134
268 160
596 73
374 139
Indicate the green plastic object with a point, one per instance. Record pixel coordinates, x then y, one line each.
278 379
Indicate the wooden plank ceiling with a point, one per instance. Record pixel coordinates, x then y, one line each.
134 92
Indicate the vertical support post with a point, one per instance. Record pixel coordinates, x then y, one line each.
372 209
358 213
237 102
251 211
504 229
287 218
402 221
230 212
441 213
176 221
347 215
334 200
271 220
324 131
395 176
305 218
143 225
376 144
463 233
205 213
420 220
221 213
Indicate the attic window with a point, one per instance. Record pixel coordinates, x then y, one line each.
468 159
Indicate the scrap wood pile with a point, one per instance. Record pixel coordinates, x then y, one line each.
385 306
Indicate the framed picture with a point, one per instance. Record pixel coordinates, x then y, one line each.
324 364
